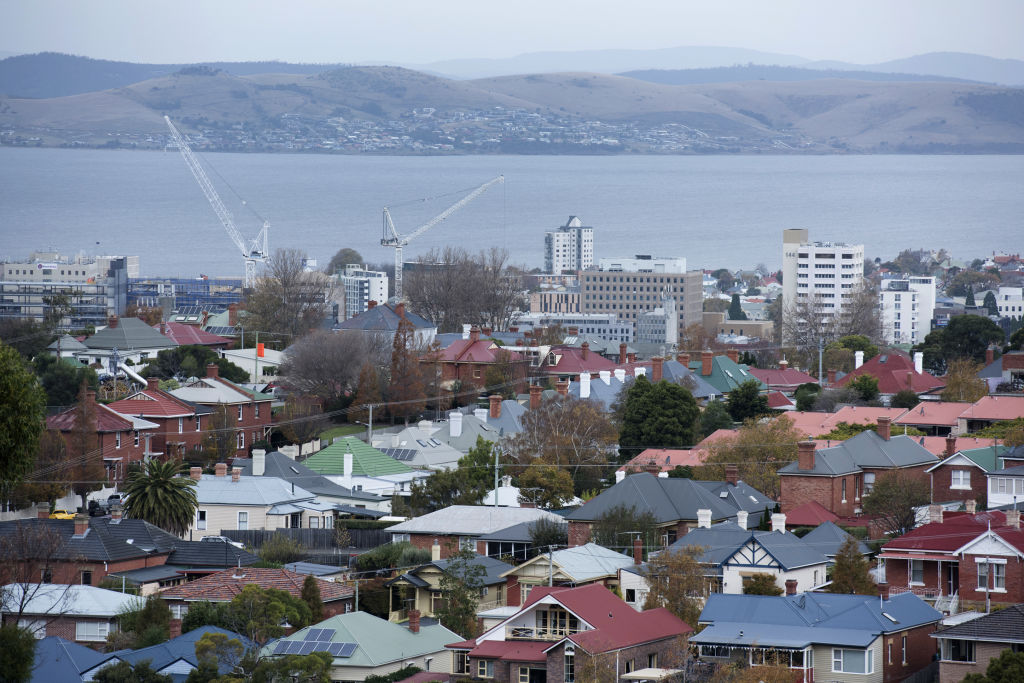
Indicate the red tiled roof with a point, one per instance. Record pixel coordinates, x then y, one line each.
571 362
183 334
812 513
224 585
931 413
666 458
995 408
777 400
153 403
937 444
776 377
956 530
512 650
107 420
482 351
895 374
815 424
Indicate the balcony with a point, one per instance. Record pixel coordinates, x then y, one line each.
923 592
531 633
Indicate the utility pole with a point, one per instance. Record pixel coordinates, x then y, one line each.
551 565
495 449
369 426
821 351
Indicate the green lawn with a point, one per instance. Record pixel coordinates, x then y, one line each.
341 430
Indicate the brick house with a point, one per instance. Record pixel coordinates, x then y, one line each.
968 648
896 371
580 566
81 614
180 423
249 410
821 636
959 559
466 361
560 632
838 477
961 474
934 418
420 588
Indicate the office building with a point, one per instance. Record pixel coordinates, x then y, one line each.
360 287
570 248
660 325
907 305
827 272
601 325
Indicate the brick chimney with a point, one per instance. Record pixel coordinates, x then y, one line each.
212 371
950 446
115 513
163 328
1012 518
990 356
486 331
830 376
400 309
495 400
535 392
783 364
370 305
153 383
638 551
236 473
562 386
705 363
232 315
112 322
586 349
684 358
220 469
652 468
90 396
935 514
884 427
574 331
195 473
631 357
656 369
474 334
81 524
790 586
514 329
535 342
732 474
42 510
174 628
971 506
622 354
734 355
414 621
805 455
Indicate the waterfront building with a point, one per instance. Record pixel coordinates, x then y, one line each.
828 272
359 288
570 248
907 305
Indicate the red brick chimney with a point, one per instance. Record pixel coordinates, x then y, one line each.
805 455
562 386
236 473
656 369
535 342
574 331
220 469
195 473
989 356
684 358
174 628
630 357
42 510
414 621
90 396
884 427
112 322
732 474
790 586
830 376
514 329
81 524
163 328
622 354
400 309
232 315
495 400
370 305
115 513
212 371
652 468
705 363
950 446
638 551
734 355
474 334
535 392
486 331
586 349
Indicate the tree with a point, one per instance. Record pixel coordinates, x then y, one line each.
86 470
126 672
326 365
406 392
28 552
963 383
893 499
220 439
1010 431
465 485
969 300
966 336
990 303
965 281
546 487
735 309
546 532
367 393
159 496
17 653
301 419
761 584
280 549
311 668
390 555
746 401
1017 340
288 300
856 342
191 360
866 387
661 415
26 336
677 582
151 315
619 525
460 585
215 653
258 613
714 417
311 596
342 258
51 463
844 431
1008 667
204 613
61 380
851 571
905 398
758 449
806 394
22 409
142 627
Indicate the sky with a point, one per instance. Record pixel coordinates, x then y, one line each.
420 32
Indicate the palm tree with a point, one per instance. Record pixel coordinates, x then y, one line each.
157 495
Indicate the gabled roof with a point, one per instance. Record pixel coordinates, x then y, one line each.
726 374
266 491
957 530
130 333
811 513
814 424
827 539
279 465
581 564
995 408
70 600
665 458
933 414
895 372
211 390
674 371
383 318
367 461
107 420
494 570
67 343
182 648
986 459
153 403
777 377
570 360
195 554
723 541
867 449
185 335
1002 626
224 585
480 351
470 520
778 401
517 533
105 541
57 659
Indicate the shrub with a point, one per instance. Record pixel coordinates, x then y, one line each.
282 549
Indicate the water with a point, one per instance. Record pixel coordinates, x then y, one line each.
717 211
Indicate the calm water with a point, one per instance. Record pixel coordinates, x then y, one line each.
715 211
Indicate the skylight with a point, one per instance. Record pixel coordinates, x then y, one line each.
890 617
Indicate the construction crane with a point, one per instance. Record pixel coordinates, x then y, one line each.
255 251
391 237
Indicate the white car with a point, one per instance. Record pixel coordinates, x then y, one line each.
221 539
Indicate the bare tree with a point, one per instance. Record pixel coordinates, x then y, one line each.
861 313
32 558
302 419
288 299
220 440
326 365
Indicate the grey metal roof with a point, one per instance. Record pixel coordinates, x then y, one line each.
993 369
57 659
517 533
493 568
722 541
382 318
470 520
867 449
161 572
313 568
589 562
104 541
130 333
214 490
205 554
1003 626
676 372
67 343
182 648
827 539
277 464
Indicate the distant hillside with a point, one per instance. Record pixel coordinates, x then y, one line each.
953 64
758 72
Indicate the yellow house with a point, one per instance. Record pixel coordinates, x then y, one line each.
420 588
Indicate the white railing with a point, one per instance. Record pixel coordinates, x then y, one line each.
531 633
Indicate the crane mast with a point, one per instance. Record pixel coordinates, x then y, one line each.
391 238
254 252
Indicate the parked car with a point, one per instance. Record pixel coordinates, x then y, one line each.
221 539
61 513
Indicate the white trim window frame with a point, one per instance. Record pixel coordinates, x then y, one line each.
847 660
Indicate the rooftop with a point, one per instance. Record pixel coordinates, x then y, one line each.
224 585
470 520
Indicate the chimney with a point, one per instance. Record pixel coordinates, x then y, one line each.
232 315
831 377
971 506
790 586
858 359
586 349
346 477
115 513
1012 518
638 551
619 476
534 342
153 383
656 369
455 424
535 392
919 361
220 469
805 455
435 551
236 473
950 446
480 414
259 462
884 426
734 355
514 329
779 522
574 331
732 474
495 407
620 374
81 524
630 357
741 519
486 331
639 370
42 510
163 328
400 309
652 468
783 364
684 358
990 356
562 386
585 385
370 305
414 621
90 396
212 371
112 322
605 376
622 353
195 473
935 514
704 518
474 334
705 363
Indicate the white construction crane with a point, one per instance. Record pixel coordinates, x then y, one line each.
255 251
391 237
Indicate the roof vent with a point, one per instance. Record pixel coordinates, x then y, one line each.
723 494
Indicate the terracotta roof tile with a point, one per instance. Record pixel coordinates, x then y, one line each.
107 420
183 335
153 403
895 372
995 408
225 585
933 413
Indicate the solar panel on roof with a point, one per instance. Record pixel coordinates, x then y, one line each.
343 649
327 634
281 647
307 647
313 634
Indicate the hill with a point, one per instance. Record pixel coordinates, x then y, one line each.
952 64
760 72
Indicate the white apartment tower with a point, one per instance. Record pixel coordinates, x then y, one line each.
360 287
570 248
907 306
828 271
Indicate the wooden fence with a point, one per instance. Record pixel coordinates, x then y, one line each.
312 539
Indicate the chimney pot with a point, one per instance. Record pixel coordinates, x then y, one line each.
435 549
212 371
630 357
656 369
586 349
486 331
805 455
474 334
232 315
684 358
790 586
112 322
81 524
732 474
734 355
741 519
535 392
884 427
370 305
535 342
783 364
163 328
831 376
236 473
514 329
935 514
400 309
562 386
858 359
705 363
652 467
43 510
990 356
971 506
195 473
1013 518
495 408
704 518
153 383
220 469
455 424
115 512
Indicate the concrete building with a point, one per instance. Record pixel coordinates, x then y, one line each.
907 305
1010 302
660 325
359 288
630 287
570 248
602 325
826 271
565 300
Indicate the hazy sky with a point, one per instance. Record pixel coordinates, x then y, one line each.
419 31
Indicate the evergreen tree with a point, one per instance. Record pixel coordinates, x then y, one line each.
17 653
662 415
86 471
866 387
761 584
22 411
905 398
406 388
990 303
311 596
715 416
1008 667
969 301
735 309
367 392
460 584
850 573
746 401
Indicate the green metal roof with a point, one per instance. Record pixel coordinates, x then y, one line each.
367 461
726 374
985 457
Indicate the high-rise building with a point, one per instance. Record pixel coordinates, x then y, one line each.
360 287
570 248
828 272
659 325
907 306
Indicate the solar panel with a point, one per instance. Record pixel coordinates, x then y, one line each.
295 647
313 634
308 647
326 634
347 649
281 647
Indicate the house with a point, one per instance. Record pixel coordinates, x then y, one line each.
821 636
895 371
417 447
673 503
82 614
66 346
183 334
224 585
989 410
364 645
461 526
784 378
579 566
827 539
465 362
1005 487
420 588
58 659
180 424
514 541
381 321
559 631
566 362
131 338
664 459
959 559
189 560
724 373
279 465
968 647
961 475
327 572
838 477
242 503
606 387
354 465
814 424
934 418
260 362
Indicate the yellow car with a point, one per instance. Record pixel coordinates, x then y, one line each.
62 514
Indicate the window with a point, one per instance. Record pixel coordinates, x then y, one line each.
92 631
904 643
87 577
314 522
629 666
485 669
869 482
631 595
181 425
917 571
956 650
255 409
46 575
241 440
889 650
36 626
243 521
853 661
998 580
201 520
197 423
524 674
178 611
652 660
569 666
136 439
461 664
844 490
239 413
117 439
